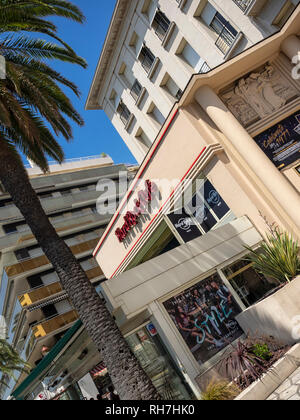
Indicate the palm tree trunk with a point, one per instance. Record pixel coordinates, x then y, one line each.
129 379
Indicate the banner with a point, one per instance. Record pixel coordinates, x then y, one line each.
205 317
281 143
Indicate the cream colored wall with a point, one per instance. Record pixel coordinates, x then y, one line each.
293 176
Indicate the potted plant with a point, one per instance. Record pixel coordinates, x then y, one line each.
276 315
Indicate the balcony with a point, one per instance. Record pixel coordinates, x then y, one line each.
52 204
48 326
44 292
33 263
243 4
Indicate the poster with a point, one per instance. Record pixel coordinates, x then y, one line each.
281 143
205 317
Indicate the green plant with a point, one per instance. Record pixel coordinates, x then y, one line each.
10 362
220 391
262 351
278 257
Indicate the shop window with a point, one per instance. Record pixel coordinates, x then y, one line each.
207 207
248 284
149 350
204 315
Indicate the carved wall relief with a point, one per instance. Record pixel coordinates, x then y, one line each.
258 95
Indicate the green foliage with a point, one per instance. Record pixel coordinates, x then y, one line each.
220 391
278 258
262 351
10 361
33 107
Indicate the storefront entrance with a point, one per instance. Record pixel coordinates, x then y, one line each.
152 355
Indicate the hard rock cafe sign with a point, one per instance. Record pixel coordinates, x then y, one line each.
141 204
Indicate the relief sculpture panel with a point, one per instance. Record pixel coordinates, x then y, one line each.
259 95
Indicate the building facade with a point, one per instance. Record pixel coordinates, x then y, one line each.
153 47
224 168
34 305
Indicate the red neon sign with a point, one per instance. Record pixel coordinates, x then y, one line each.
132 217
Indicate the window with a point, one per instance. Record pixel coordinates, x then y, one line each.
8 229
160 24
207 207
155 113
146 59
171 87
187 53
123 112
249 285
284 14
298 169
143 140
136 90
22 254
225 31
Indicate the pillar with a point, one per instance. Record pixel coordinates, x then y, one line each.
286 198
291 46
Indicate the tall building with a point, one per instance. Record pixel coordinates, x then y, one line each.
153 47
224 169
36 308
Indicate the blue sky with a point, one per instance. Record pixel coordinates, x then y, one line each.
98 135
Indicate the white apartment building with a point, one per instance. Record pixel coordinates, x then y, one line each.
35 311
153 47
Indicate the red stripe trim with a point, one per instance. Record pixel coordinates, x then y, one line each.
132 188
159 211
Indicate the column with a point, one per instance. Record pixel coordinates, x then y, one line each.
291 46
284 195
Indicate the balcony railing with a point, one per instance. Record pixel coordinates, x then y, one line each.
146 59
33 263
225 40
243 4
161 25
43 292
204 68
54 323
136 90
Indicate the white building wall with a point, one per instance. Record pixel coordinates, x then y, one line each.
191 44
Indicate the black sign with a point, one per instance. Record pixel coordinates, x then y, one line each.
185 226
281 143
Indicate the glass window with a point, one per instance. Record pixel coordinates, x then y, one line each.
249 285
157 364
207 206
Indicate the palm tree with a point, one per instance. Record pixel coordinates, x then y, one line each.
10 362
32 106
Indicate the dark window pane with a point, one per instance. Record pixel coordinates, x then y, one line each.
215 201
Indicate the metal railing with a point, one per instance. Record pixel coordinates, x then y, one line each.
204 68
243 4
136 90
161 25
146 59
124 113
225 40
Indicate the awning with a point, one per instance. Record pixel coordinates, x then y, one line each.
19 393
